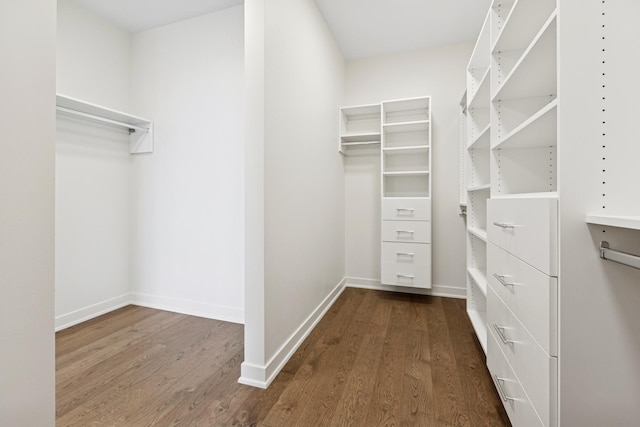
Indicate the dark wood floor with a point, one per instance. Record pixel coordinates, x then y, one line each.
376 358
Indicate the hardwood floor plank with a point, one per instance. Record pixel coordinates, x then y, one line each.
385 397
418 403
450 404
478 388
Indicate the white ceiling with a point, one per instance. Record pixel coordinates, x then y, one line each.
361 28
140 15
374 27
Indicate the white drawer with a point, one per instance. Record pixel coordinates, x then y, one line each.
515 401
406 231
527 228
405 253
407 209
534 368
410 275
530 294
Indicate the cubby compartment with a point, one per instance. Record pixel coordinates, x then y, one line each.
477 209
499 14
533 74
527 122
478 68
406 111
405 184
477 286
522 24
524 170
405 159
359 128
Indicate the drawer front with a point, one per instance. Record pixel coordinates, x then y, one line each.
406 231
405 253
409 275
406 209
527 228
535 370
531 295
515 401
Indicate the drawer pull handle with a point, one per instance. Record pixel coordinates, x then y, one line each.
500 388
405 254
500 279
500 332
406 276
404 231
503 225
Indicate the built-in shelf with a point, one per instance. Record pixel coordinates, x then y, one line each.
481 96
415 126
407 150
353 144
479 188
361 137
534 74
479 324
140 129
480 279
630 222
482 140
406 173
479 233
540 130
540 195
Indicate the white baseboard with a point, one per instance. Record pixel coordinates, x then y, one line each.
262 376
192 308
89 312
436 290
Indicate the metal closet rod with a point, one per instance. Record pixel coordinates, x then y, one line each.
132 128
618 256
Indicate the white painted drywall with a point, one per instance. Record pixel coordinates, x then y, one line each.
93 165
303 173
439 72
93 57
253 366
27 126
188 201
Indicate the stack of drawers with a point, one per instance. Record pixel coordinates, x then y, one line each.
522 313
406 242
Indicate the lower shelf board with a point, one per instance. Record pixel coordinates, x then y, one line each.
478 321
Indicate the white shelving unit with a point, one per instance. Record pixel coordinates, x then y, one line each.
478 184
619 221
406 192
360 129
140 129
462 153
512 203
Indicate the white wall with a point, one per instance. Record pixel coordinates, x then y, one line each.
303 177
27 125
439 72
93 58
188 230
93 200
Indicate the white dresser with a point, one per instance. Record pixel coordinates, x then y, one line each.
522 307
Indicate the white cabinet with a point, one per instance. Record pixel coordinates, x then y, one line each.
406 192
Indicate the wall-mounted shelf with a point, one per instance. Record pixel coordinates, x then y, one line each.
359 129
630 222
140 129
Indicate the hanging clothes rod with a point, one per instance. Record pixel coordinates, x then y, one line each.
618 256
132 128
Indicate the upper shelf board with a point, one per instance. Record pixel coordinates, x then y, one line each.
140 129
621 221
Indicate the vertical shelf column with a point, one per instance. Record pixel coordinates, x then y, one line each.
406 193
